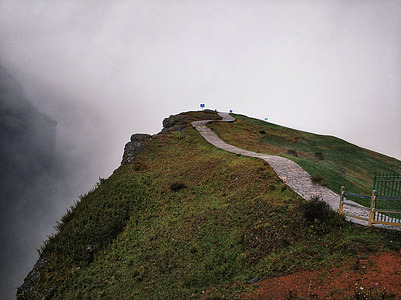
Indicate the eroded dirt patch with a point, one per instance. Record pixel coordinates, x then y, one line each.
377 276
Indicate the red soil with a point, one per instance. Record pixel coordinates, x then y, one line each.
374 276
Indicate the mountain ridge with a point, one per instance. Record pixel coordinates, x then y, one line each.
185 217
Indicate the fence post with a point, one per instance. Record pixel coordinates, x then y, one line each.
372 208
340 208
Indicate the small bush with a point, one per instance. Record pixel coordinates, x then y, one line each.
319 156
177 186
320 216
293 152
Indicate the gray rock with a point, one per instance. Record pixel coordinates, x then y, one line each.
133 148
172 120
253 280
140 137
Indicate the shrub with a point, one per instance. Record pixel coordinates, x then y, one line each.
320 216
293 152
319 156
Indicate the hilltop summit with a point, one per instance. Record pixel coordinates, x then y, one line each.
183 219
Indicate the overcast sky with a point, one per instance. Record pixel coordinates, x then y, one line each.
107 69
330 67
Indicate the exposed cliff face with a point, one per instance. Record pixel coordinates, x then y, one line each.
173 123
138 140
134 147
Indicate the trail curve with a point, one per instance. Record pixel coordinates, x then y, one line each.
290 172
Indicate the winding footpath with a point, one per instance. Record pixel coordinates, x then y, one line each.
290 172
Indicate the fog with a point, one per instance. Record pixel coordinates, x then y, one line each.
106 70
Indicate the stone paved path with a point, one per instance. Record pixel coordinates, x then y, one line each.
290 172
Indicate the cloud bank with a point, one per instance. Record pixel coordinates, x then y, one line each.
329 67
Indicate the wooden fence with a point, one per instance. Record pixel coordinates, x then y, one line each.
383 210
388 201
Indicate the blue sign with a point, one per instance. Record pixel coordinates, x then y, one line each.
179 129
231 110
266 119
202 105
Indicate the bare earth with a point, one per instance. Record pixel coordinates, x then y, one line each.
375 277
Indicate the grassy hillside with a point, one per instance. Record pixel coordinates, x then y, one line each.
334 162
188 221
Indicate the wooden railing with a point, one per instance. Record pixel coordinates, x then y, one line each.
383 210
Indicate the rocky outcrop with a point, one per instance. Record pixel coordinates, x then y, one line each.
134 147
140 137
173 123
137 143
172 120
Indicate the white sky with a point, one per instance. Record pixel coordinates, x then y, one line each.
329 67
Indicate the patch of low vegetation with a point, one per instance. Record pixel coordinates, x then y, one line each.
94 223
319 156
317 179
376 292
319 215
293 152
194 222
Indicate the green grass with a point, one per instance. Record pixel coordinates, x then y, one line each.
343 164
232 220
